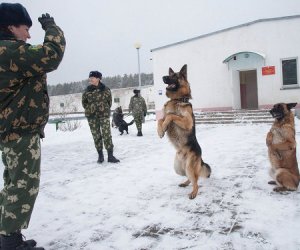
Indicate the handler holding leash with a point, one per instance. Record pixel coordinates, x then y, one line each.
24 112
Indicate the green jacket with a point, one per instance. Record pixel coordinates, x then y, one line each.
96 101
24 101
137 105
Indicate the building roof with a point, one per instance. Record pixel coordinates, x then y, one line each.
227 29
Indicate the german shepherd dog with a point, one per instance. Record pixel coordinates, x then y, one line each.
119 122
282 149
179 123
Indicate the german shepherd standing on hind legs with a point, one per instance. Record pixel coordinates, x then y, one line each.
281 144
179 123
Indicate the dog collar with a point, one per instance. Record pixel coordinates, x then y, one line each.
183 99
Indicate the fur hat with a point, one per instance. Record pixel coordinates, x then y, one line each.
14 14
136 91
96 74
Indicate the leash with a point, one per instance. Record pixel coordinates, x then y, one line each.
128 114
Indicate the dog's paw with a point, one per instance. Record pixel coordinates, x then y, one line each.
280 189
183 185
192 195
161 135
269 139
160 132
164 126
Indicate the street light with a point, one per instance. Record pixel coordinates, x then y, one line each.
138 46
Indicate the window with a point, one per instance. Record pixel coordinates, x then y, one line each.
289 72
116 99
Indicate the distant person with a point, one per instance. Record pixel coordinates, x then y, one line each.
96 101
138 108
24 112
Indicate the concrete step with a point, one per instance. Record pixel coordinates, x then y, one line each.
234 117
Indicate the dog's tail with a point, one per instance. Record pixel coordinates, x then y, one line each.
130 123
205 170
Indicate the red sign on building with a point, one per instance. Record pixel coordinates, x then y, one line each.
268 70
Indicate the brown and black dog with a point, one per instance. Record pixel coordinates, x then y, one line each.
282 148
179 123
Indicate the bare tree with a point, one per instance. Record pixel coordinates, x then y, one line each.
68 105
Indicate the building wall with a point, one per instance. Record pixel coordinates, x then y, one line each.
125 94
211 79
72 102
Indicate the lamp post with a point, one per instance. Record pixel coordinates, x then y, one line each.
138 46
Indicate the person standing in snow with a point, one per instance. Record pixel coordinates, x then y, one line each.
24 112
138 108
97 101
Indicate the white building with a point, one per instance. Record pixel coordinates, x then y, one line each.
249 66
120 97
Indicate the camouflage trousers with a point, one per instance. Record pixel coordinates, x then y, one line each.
22 160
100 129
138 119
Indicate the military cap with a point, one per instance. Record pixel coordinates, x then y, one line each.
14 14
96 74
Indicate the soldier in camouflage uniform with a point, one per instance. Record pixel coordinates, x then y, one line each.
24 112
96 101
138 108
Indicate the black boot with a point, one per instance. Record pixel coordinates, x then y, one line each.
139 133
11 242
15 242
110 157
100 156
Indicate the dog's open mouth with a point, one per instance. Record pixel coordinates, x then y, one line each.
276 115
172 86
172 83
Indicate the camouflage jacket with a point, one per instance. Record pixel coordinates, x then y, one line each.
96 101
137 105
24 101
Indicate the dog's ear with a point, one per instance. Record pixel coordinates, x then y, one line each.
183 72
291 105
171 72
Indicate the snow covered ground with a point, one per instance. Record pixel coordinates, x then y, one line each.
137 203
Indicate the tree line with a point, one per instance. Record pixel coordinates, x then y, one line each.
114 82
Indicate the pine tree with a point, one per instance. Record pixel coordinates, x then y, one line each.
114 82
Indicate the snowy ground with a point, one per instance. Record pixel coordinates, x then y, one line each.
137 204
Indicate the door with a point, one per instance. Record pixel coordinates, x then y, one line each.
248 89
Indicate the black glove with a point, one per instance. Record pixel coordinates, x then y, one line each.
145 113
46 21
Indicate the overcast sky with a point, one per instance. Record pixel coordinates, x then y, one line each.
101 34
